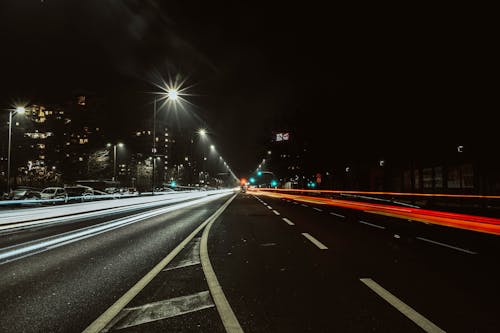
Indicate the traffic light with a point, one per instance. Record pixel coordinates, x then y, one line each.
252 180
274 183
173 183
259 173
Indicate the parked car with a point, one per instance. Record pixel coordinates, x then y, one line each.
79 193
54 193
23 193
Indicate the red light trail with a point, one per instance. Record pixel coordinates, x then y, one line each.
462 221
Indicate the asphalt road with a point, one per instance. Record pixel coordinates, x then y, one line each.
293 267
277 280
64 289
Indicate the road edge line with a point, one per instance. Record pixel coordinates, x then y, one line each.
226 313
107 316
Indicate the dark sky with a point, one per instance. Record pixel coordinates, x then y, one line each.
351 81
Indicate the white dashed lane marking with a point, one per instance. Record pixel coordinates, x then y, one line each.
372 225
315 241
446 245
413 315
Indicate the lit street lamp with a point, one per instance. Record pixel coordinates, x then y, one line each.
12 113
114 157
172 94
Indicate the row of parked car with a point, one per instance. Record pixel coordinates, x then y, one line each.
62 194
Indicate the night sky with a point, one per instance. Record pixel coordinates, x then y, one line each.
350 81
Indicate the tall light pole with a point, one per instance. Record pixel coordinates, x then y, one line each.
12 113
114 157
171 95
153 150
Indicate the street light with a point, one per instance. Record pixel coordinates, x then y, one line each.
172 94
12 113
114 157
202 132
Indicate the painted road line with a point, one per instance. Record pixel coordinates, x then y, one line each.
295 203
275 212
338 215
372 225
189 259
269 207
318 209
148 313
413 315
303 205
446 245
288 221
226 313
315 241
108 315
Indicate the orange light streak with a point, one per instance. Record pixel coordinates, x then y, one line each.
483 224
408 194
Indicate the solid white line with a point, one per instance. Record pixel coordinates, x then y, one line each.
275 212
288 221
413 315
372 225
226 314
318 209
115 309
315 241
338 215
446 245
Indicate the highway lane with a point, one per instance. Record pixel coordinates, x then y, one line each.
86 215
284 266
294 267
65 288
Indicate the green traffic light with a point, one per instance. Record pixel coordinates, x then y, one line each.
259 173
252 180
274 183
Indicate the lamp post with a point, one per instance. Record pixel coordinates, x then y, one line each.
114 157
153 150
12 113
171 95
